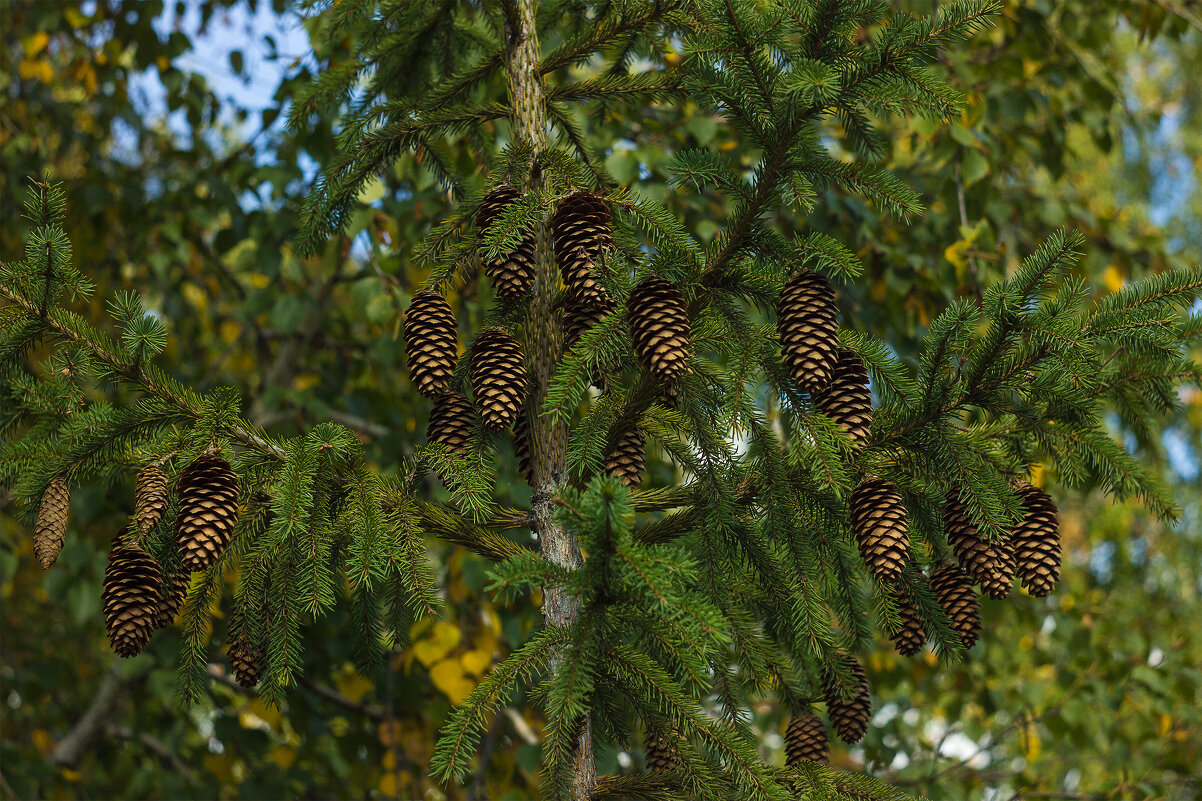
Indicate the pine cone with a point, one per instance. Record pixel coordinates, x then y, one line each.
451 421
431 342
849 716
846 399
1036 541
990 564
246 660
662 752
208 509
659 325
628 459
806 320
51 525
512 274
806 739
521 446
150 497
498 378
581 228
171 599
132 582
878 519
579 318
953 588
909 637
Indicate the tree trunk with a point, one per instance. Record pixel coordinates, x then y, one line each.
548 440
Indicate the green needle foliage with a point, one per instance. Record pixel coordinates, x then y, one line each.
737 582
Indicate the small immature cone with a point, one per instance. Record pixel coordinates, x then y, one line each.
208 510
953 588
846 399
909 637
990 564
659 325
150 497
849 716
51 525
806 739
246 659
1036 541
431 342
807 322
498 378
878 519
628 459
512 274
130 598
581 230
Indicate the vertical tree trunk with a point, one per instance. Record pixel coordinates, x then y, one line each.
548 441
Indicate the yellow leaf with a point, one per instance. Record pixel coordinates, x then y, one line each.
477 661
443 637
955 252
36 44
283 756
388 785
1032 744
35 69
390 732
218 765
305 381
229 331
260 281
88 76
1037 474
1030 67
42 740
1164 725
72 775
354 686
163 63
1113 278
449 677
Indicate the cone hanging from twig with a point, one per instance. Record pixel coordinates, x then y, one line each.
512 273
849 715
246 658
451 420
130 598
662 752
806 739
846 399
581 229
909 637
1036 541
628 459
990 564
431 342
659 325
498 378
578 318
208 509
51 525
953 588
807 322
878 519
171 598
150 497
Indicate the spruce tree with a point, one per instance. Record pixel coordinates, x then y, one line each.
668 608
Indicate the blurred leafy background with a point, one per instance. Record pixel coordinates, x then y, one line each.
166 123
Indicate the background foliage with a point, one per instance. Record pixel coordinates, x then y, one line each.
1079 116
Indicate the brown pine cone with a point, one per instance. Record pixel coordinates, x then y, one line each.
659 325
807 322
51 525
878 519
431 342
1036 541
806 739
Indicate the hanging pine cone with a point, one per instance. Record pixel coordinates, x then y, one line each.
431 342
659 325
513 273
953 588
581 228
132 582
806 739
628 459
662 752
990 564
909 637
171 599
579 318
246 660
51 525
451 421
208 509
878 519
150 497
849 716
498 378
806 320
846 399
1036 541
521 446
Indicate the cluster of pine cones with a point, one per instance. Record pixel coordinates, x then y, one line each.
138 595
837 381
582 232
